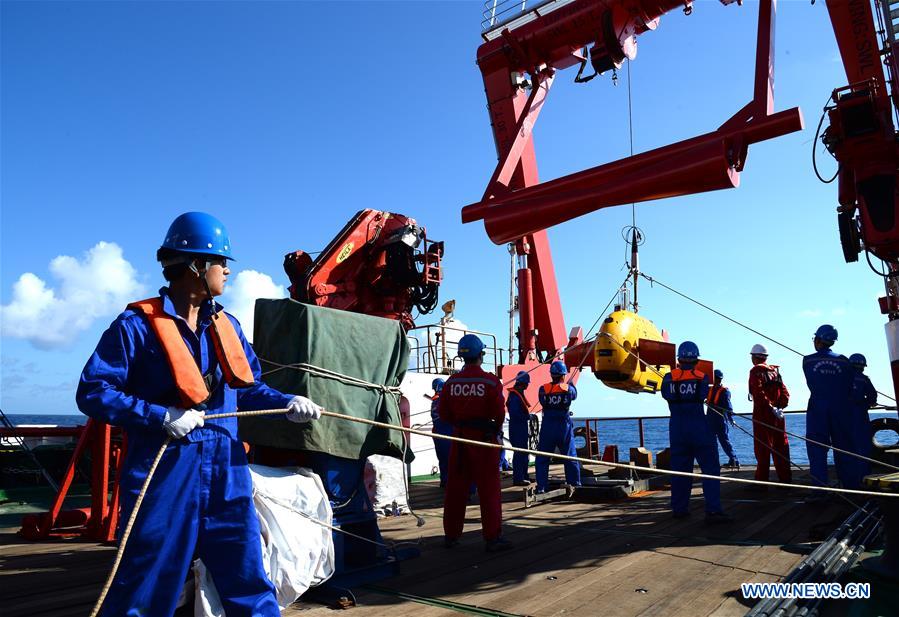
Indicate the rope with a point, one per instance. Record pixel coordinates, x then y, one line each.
722 412
773 452
566 457
329 374
732 320
472 442
361 383
590 331
127 532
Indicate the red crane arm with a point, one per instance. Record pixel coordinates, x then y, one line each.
518 64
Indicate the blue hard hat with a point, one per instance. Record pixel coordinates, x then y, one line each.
688 351
198 233
826 333
470 347
523 377
437 384
718 374
558 368
858 359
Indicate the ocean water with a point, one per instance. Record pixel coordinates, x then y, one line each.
623 433
51 419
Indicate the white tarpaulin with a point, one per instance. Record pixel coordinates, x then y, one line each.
297 553
386 485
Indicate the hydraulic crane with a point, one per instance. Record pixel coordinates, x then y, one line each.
862 137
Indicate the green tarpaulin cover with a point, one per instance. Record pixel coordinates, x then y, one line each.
369 348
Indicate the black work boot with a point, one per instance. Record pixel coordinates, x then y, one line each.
717 518
497 544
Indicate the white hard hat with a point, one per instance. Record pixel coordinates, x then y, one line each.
759 350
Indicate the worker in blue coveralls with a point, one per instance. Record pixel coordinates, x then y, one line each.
557 429
439 427
519 414
828 419
720 416
162 365
686 389
863 397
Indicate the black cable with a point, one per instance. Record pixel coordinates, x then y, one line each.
815 143
871 265
630 128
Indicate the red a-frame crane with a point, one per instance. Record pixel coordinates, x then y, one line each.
519 61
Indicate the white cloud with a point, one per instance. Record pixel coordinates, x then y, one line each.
98 285
242 292
838 312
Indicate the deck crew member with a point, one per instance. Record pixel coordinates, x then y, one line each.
686 389
863 397
158 369
519 414
768 425
439 427
472 403
720 416
828 419
557 429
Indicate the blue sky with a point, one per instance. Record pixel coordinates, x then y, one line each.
285 118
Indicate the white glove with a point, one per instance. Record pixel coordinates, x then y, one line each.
179 422
778 412
303 410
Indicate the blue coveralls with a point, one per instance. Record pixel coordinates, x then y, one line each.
441 446
199 502
686 391
557 430
863 397
719 424
829 416
518 433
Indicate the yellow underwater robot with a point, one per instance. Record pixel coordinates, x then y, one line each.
631 354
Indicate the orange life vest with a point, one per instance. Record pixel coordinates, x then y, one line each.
554 388
524 399
191 386
679 374
715 394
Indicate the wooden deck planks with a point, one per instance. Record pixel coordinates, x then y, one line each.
569 559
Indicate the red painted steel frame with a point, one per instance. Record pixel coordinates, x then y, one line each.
99 522
517 208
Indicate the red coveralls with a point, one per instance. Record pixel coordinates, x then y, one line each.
769 443
472 402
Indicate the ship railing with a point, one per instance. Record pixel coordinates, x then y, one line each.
593 434
434 349
499 15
